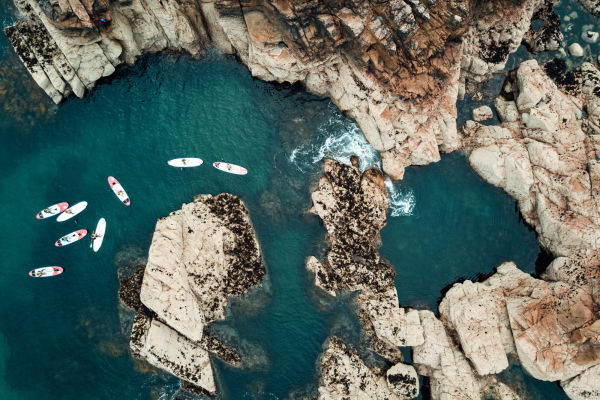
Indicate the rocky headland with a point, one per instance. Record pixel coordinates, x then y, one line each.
200 257
397 67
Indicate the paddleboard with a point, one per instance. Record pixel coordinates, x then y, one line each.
118 190
98 235
185 162
72 211
52 210
45 272
231 168
71 238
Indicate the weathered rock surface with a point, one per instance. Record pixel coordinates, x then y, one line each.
402 379
353 208
551 325
396 67
200 257
451 375
585 386
544 154
345 376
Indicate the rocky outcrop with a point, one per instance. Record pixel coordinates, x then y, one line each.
200 257
353 207
451 375
551 326
345 376
396 67
544 154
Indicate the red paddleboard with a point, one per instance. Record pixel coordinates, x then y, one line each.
52 210
45 272
71 238
118 190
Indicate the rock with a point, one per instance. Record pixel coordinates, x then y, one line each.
353 207
592 6
576 50
402 379
345 376
165 348
200 257
554 325
399 77
451 376
585 386
482 113
590 36
544 158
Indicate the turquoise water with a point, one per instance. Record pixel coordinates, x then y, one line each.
62 338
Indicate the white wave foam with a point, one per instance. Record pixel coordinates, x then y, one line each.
402 200
338 139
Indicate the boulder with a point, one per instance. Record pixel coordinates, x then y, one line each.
402 379
482 113
576 50
585 386
201 256
345 376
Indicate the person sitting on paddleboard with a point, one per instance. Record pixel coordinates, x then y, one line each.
46 210
40 273
228 167
68 211
183 161
96 235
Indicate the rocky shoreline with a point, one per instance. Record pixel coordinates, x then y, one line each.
397 68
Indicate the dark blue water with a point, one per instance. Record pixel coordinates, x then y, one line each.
63 338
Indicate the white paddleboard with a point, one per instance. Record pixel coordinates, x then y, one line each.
231 168
98 235
52 210
72 211
71 238
45 272
118 190
185 162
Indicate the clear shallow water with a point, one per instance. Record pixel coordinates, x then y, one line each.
61 338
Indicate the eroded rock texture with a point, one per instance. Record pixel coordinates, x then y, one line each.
545 153
345 376
396 67
353 207
200 257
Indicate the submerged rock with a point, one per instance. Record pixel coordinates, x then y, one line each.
576 50
200 257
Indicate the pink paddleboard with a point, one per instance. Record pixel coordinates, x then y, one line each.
118 190
71 238
231 168
52 210
45 272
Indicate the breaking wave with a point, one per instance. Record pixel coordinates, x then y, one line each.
338 139
402 200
